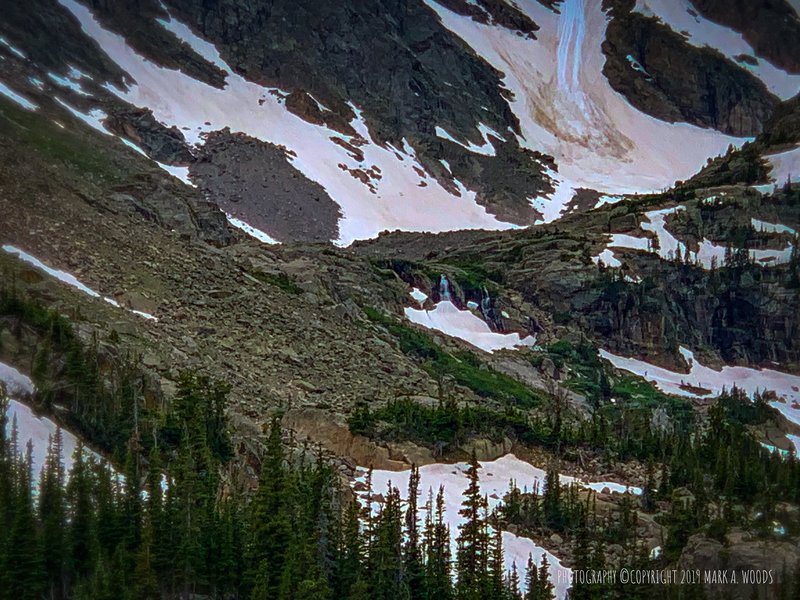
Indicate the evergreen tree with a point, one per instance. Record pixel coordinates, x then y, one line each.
82 555
387 574
269 522
531 580
514 592
412 557
52 515
438 580
551 502
471 559
25 573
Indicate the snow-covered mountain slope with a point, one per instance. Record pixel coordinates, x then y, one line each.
567 108
440 117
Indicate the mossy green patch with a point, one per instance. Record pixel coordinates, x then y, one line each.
464 367
56 145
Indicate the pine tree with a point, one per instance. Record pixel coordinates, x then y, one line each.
348 567
81 518
146 583
438 580
472 539
545 586
269 523
494 583
7 495
551 502
412 558
649 493
52 515
514 592
387 576
25 575
531 580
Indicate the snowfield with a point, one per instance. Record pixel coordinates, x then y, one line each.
465 325
261 236
765 227
785 166
390 199
495 477
785 385
567 108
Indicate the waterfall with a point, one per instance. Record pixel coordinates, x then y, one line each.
486 303
444 289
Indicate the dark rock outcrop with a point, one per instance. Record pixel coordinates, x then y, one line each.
161 143
248 176
772 28
661 74
494 12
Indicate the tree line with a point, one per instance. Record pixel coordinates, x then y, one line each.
166 524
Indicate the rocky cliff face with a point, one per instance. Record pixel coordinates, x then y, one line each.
662 75
772 28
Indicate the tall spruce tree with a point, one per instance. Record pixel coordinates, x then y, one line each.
471 559
25 576
52 516
438 570
412 551
269 523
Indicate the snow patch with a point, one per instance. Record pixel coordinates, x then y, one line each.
607 258
68 278
94 118
261 236
765 227
487 148
418 295
68 83
467 326
19 99
13 49
785 166
16 384
785 385
30 426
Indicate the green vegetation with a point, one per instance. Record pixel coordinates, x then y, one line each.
56 145
464 367
474 276
279 280
446 424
